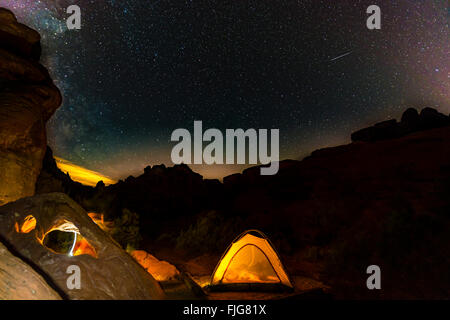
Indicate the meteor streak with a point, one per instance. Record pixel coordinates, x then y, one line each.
342 55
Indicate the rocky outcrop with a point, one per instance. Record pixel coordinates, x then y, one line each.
18 281
106 270
52 179
28 98
160 270
411 121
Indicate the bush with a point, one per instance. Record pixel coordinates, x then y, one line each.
126 229
212 232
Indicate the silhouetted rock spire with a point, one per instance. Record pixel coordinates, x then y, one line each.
411 121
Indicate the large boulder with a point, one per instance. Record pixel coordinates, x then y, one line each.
161 270
28 98
410 121
431 118
106 270
18 281
18 38
410 116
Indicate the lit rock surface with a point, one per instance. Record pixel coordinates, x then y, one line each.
18 281
112 274
28 98
160 270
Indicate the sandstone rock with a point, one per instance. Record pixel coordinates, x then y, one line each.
28 98
410 116
18 281
431 118
52 179
410 121
17 37
160 270
107 271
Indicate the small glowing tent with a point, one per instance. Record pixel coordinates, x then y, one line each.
250 263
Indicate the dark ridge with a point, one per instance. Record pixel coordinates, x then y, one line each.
411 121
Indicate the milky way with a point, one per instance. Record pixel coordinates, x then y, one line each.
137 70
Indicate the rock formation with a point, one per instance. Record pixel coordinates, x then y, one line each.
160 270
52 179
18 281
106 270
28 98
411 121
29 267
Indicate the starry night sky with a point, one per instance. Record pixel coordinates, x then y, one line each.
137 70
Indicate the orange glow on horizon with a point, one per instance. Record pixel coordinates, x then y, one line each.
82 175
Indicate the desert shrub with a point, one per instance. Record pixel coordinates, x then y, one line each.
212 232
126 229
312 253
100 202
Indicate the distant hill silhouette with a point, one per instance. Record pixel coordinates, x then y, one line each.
411 121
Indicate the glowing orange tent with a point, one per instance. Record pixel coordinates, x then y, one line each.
250 263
